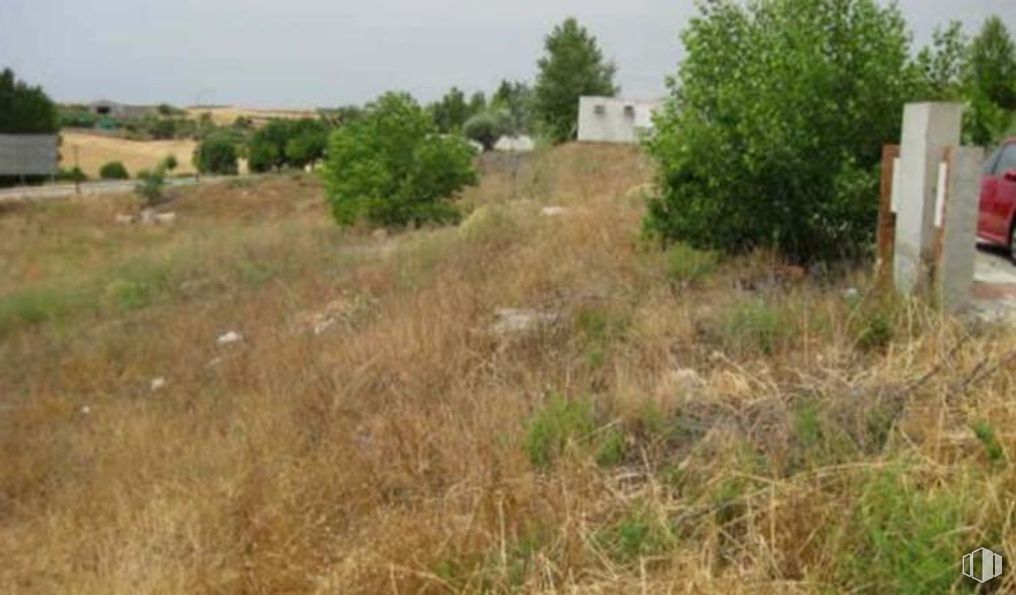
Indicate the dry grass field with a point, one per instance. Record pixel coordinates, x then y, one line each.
95 150
226 115
670 424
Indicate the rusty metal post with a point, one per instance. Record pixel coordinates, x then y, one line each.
886 220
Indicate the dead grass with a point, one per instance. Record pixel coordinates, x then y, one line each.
226 115
95 150
745 433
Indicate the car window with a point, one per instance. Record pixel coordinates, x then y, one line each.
1007 161
989 163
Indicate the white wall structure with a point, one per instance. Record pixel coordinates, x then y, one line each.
615 119
928 128
28 154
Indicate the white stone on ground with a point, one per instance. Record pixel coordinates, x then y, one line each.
230 338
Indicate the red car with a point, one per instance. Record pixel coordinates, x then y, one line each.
996 223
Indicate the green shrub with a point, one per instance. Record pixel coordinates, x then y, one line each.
216 155
906 538
774 129
992 447
73 174
151 186
754 327
287 143
392 167
114 170
638 535
559 422
687 266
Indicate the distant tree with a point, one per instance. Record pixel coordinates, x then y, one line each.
393 167
451 112
477 104
307 142
341 116
976 72
486 128
515 99
573 66
288 143
216 155
942 66
114 170
25 109
993 64
169 162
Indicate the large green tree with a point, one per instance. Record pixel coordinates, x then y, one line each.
25 109
393 167
451 112
573 66
980 72
993 63
773 130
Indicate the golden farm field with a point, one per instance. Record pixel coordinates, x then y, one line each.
93 151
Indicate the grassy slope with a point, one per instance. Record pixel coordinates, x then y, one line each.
407 450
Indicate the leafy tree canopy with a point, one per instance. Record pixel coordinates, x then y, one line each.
392 167
572 66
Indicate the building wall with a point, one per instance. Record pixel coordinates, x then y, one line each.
28 154
615 120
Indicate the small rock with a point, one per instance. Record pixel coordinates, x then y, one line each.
322 326
852 293
230 338
514 321
158 384
552 211
86 410
125 219
165 218
215 361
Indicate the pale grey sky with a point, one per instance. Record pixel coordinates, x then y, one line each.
307 53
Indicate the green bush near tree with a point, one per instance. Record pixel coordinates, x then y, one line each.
216 155
284 144
773 131
486 128
392 167
114 170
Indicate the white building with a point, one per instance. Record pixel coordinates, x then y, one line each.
615 119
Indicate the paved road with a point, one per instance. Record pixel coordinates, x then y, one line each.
51 191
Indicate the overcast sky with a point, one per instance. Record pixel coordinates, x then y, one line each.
310 53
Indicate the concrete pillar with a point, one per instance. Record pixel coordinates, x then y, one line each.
955 277
928 128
